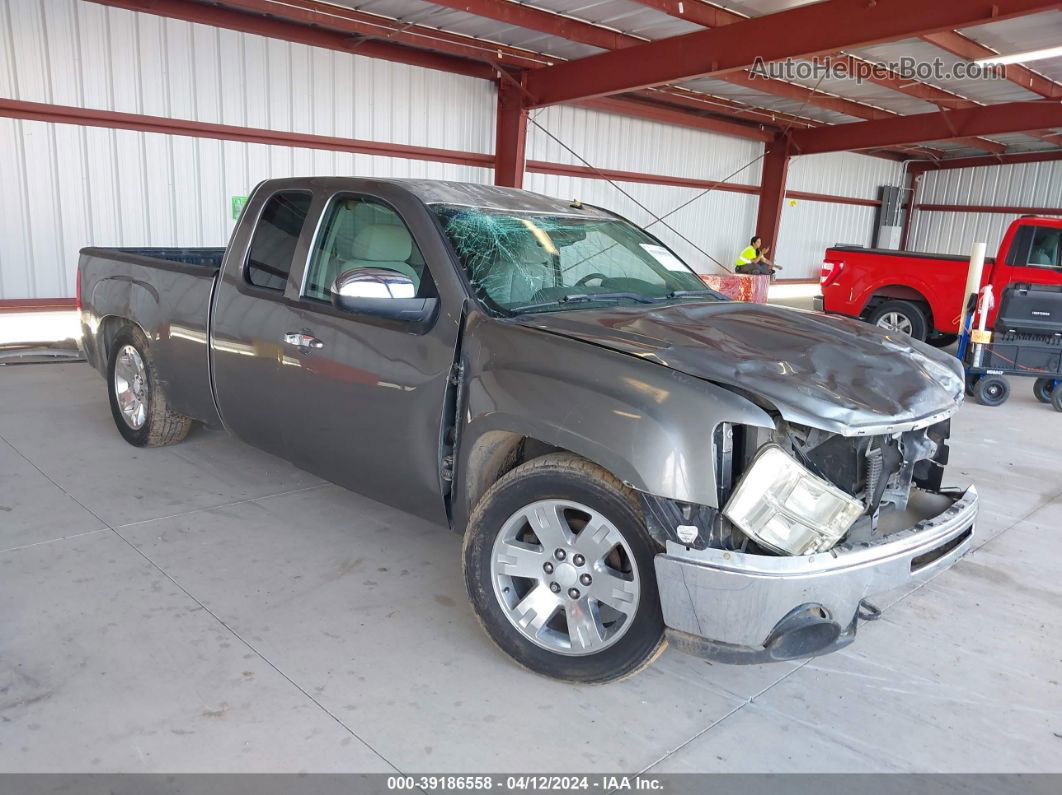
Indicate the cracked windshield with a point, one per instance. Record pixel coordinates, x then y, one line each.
524 262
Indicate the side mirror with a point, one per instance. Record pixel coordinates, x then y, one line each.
382 293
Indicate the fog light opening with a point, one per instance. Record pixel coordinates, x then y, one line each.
806 631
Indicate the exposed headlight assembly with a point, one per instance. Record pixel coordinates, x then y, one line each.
783 506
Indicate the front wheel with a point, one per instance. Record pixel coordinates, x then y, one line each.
138 403
1056 397
559 568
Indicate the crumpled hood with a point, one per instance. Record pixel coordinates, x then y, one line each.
836 374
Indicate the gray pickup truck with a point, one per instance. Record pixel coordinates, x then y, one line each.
630 457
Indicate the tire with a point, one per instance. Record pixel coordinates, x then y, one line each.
941 340
146 420
902 316
1056 397
626 625
992 390
971 384
1044 387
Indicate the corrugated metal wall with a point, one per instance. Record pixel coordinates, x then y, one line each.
69 186
810 227
1015 185
713 224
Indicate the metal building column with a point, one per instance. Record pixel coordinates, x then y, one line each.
511 136
772 191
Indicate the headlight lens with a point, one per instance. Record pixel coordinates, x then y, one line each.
784 507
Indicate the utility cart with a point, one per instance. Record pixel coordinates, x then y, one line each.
1026 342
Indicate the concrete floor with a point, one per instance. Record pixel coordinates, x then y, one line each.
206 607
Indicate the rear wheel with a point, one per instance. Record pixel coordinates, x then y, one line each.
1044 387
992 390
138 404
559 569
1056 397
902 316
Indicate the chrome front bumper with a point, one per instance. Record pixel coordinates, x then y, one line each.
738 607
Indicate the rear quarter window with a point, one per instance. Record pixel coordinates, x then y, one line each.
274 240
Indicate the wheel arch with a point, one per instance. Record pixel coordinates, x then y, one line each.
109 328
891 292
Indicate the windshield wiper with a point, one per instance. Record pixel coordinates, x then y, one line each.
691 294
585 298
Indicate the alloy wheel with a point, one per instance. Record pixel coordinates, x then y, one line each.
565 577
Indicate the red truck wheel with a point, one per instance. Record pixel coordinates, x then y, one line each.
902 316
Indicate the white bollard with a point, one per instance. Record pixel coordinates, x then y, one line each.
973 281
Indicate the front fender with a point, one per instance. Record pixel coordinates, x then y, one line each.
648 425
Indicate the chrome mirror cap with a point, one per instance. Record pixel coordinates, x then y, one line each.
373 283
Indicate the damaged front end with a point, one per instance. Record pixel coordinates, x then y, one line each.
810 524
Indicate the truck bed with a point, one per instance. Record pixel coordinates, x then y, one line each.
163 257
891 252
166 292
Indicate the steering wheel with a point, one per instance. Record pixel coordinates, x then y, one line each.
589 277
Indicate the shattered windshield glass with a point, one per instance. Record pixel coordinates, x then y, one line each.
526 262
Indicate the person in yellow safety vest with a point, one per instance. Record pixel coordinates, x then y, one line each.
752 261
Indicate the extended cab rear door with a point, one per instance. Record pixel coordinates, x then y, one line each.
250 315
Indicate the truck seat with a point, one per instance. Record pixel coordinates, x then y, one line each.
516 276
381 246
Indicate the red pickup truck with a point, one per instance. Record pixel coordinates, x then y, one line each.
922 294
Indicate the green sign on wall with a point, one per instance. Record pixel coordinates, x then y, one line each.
237 206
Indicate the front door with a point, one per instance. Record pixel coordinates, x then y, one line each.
371 391
1034 257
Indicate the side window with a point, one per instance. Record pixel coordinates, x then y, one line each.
275 237
361 233
1045 247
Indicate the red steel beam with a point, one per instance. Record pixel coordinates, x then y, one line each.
1009 117
988 208
374 26
772 190
695 11
977 162
585 172
302 34
657 113
595 35
806 30
87 117
706 102
550 22
711 16
848 107
967 48
510 145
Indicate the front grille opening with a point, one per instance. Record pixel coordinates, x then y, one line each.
936 554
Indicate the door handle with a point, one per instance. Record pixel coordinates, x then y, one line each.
303 340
